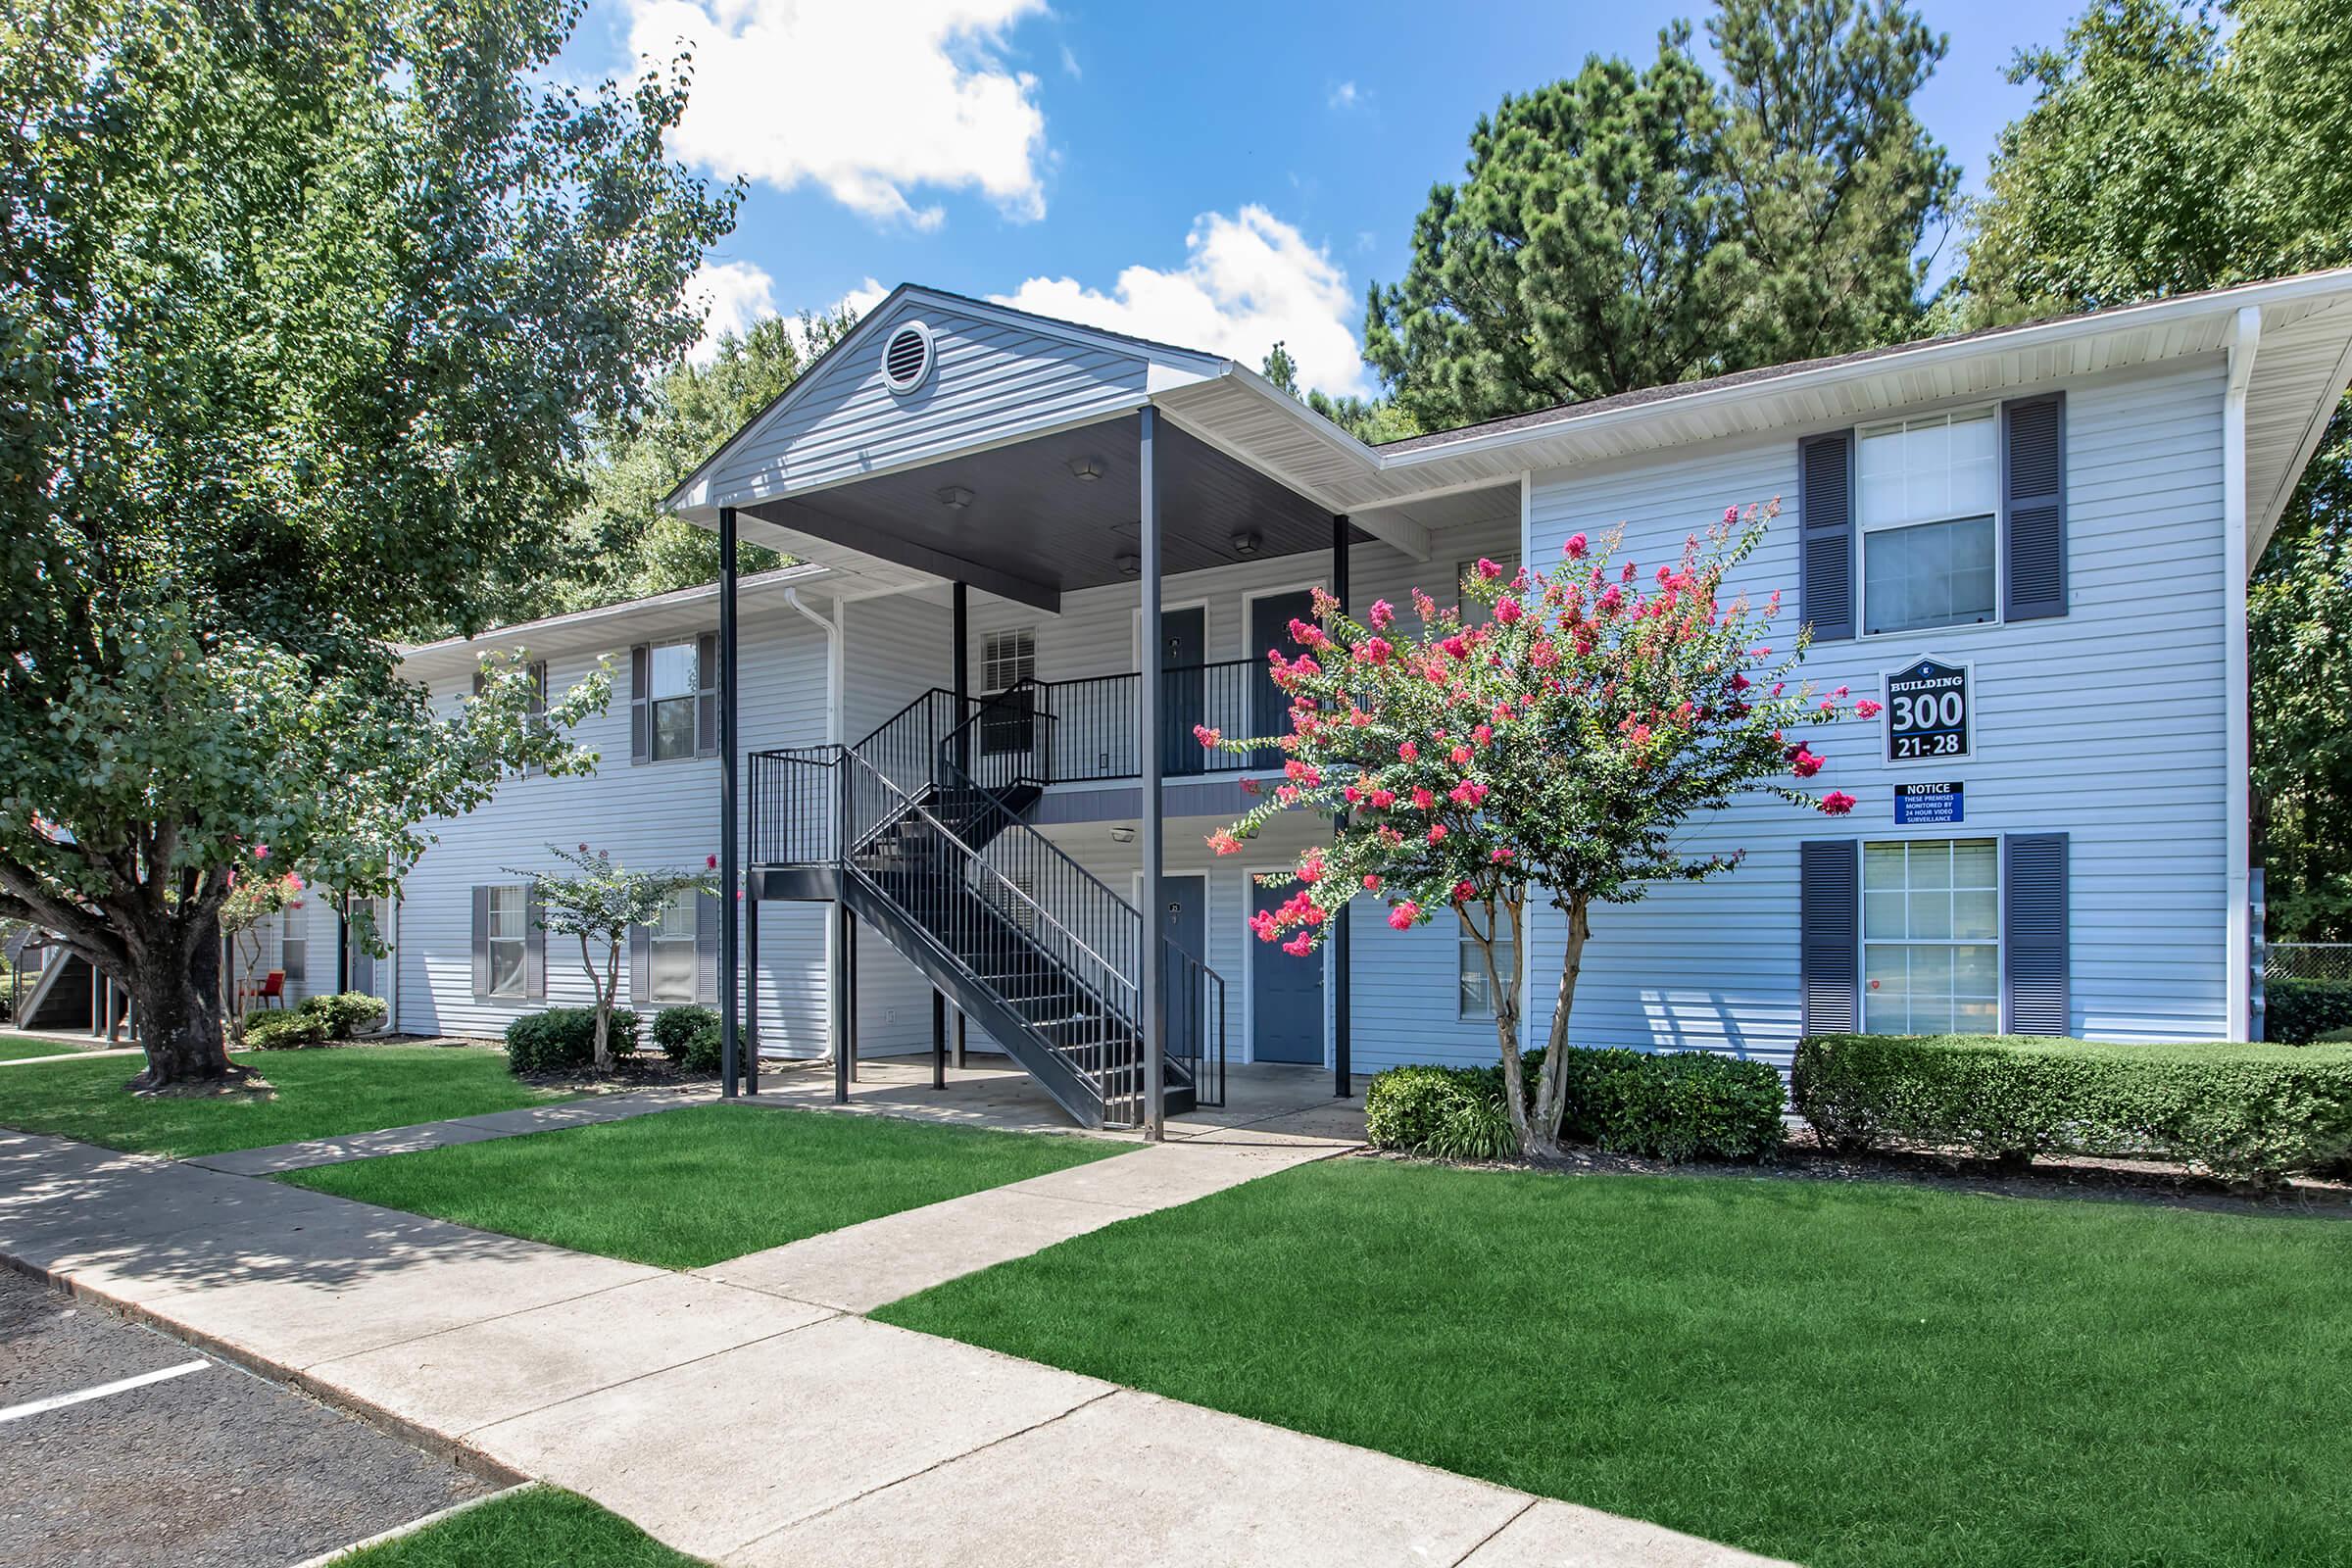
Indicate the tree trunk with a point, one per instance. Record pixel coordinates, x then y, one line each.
1551 1085
1506 1017
178 993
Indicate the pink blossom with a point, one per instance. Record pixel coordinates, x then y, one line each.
1286 793
1408 751
1865 708
1352 794
260 851
1731 515
1384 614
1262 922
1839 692
1310 866
1423 799
1224 843
1456 645
1402 916
1508 610
1803 763
1469 791
583 849
1208 738
1300 945
1482 733
1575 547
709 863
1488 570
1371 883
1437 832
1462 755
1838 802
1631 571
1382 799
1464 892
1502 855
1374 651
1606 605
1249 786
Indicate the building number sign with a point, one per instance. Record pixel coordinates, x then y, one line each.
1928 713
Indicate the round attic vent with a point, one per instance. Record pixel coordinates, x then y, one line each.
906 357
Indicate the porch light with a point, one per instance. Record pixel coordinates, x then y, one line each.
1245 543
955 497
1086 470
1130 564
1122 835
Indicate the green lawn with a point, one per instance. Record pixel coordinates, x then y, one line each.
684 1187
321 1093
542 1528
1852 1376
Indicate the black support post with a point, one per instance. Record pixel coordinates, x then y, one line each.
849 937
1151 992
939 1039
751 993
841 1003
730 867
962 665
1343 1065
962 1057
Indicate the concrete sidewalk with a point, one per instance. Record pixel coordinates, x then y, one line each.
748 1425
583 1112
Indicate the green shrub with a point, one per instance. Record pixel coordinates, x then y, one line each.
1670 1104
676 1029
284 1030
1684 1104
1443 1113
2296 1012
2241 1110
346 1013
564 1039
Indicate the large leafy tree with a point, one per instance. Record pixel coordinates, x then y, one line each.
305 308
1559 750
2163 153
619 544
1637 226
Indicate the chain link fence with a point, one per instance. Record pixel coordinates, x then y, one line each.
2307 960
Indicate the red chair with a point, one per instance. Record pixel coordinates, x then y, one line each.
273 991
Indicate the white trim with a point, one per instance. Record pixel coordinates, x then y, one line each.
1134 630
922 371
1952 833
506 636
1251 597
2236 757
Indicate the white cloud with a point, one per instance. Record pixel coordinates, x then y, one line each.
1347 95
863 298
1248 282
736 294
875 102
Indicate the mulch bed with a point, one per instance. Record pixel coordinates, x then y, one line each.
642 1069
1805 1157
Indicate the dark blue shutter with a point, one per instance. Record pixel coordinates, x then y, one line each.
706 695
2034 507
641 707
1825 516
2034 997
1829 935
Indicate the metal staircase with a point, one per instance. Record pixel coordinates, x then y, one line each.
920 827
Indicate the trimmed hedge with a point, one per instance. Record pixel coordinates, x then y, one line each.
689 1036
564 1039
2256 1111
1674 1105
345 1013
287 1029
2296 1012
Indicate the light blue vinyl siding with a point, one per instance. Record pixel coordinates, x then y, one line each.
2106 724
991 382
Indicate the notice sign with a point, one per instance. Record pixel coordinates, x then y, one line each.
1928 803
1927 711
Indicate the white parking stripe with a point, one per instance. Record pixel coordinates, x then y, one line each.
18 1412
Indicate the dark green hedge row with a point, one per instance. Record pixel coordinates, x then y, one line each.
2296 1012
689 1036
314 1022
564 1039
2242 1110
1683 1105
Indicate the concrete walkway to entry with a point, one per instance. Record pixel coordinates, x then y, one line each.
585 1113
753 1426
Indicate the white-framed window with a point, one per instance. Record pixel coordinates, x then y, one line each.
1007 658
1475 613
1932 936
508 935
1477 998
674 682
1928 494
294 957
669 968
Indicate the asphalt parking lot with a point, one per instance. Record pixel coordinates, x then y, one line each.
201 1464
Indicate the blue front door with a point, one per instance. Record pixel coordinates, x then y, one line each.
1286 995
1270 621
1184 647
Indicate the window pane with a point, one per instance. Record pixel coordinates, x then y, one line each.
1932 863
1882 865
1883 994
1976 864
677 916
506 968
1977 972
1882 916
506 913
1931 915
1476 1001
293 957
673 728
673 670
1931 574
672 971
1975 916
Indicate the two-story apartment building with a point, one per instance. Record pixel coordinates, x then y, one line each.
2030 544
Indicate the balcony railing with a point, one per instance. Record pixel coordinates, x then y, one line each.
1083 732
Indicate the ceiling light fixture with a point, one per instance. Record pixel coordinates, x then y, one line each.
1086 470
956 496
1246 541
1130 564
1122 835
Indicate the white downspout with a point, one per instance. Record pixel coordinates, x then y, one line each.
2237 783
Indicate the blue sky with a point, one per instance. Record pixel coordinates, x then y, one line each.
1217 174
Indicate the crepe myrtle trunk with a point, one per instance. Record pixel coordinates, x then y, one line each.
175 984
1538 1128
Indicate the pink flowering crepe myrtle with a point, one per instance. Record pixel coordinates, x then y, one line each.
1557 748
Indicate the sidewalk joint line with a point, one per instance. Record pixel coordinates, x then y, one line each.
101 1390
832 1313
1480 1544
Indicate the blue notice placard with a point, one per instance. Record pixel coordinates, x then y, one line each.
1928 804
